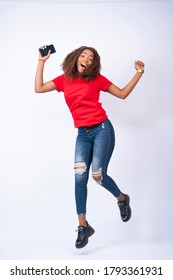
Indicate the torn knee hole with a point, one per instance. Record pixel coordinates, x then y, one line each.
97 178
97 175
80 168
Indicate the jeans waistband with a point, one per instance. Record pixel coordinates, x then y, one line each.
88 128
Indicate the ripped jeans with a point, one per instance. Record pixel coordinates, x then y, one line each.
94 145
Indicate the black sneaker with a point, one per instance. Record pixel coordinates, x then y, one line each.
125 210
83 234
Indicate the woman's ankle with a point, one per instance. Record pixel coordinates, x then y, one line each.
82 220
121 198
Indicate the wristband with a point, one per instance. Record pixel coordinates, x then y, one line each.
140 71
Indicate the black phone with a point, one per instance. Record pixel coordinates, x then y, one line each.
45 49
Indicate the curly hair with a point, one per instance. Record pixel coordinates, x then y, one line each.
69 65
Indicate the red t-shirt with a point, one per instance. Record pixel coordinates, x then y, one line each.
82 98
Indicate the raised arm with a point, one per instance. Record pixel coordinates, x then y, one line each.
124 92
40 86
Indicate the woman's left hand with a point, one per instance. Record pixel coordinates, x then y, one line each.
139 65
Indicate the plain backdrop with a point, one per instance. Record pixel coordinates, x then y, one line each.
37 136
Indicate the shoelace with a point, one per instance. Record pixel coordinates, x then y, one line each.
81 232
123 207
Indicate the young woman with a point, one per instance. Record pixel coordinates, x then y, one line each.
81 84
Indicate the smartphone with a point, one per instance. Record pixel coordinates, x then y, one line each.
44 50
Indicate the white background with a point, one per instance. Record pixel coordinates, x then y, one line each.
37 209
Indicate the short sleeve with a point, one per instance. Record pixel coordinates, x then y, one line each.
104 83
59 83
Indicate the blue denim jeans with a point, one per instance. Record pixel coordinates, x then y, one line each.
94 146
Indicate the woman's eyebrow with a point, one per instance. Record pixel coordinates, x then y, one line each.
89 55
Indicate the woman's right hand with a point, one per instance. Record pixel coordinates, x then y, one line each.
44 58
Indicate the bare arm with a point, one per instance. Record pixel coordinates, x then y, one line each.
40 86
124 92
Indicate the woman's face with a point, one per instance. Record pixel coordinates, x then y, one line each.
84 60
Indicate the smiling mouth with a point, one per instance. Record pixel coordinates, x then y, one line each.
83 65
